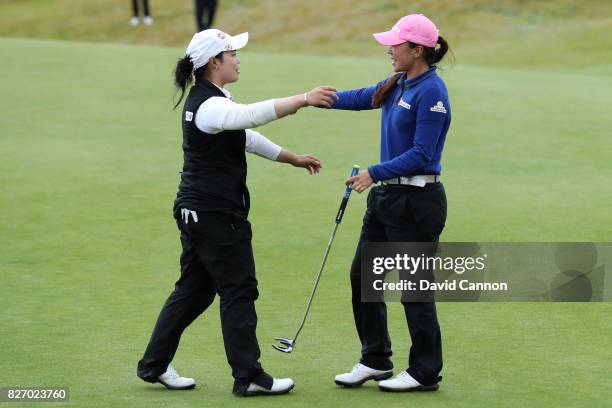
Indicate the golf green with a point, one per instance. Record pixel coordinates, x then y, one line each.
90 152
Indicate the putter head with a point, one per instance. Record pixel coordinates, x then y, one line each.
286 346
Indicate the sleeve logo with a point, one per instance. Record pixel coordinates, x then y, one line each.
188 116
438 107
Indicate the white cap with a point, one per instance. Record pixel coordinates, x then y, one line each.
209 43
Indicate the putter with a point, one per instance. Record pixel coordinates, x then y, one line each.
287 345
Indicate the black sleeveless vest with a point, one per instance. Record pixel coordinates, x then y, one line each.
215 168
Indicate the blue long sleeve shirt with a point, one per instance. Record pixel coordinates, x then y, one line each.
415 119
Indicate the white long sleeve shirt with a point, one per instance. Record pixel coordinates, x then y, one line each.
217 114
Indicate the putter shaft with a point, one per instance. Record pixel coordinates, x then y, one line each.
314 288
288 344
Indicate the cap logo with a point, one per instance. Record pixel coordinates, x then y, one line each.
221 35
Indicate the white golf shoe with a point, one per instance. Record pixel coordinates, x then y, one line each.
148 20
405 382
173 381
361 374
134 21
279 386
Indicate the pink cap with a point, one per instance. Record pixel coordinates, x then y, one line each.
415 28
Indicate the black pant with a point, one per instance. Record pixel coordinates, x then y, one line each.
200 6
217 258
145 5
400 214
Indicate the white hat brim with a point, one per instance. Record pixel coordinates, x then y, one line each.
239 41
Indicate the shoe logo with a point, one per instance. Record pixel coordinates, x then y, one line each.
404 104
221 35
438 107
188 116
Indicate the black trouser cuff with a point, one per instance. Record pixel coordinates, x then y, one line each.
262 379
377 363
150 372
424 379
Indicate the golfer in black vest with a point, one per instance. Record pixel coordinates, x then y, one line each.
211 212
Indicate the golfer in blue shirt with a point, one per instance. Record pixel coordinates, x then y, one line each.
409 205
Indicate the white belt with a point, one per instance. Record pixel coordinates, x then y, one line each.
418 181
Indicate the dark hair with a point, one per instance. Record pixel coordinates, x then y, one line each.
381 93
184 74
433 55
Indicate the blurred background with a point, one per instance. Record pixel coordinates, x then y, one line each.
549 33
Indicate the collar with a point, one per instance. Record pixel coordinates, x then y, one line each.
417 79
225 91
205 83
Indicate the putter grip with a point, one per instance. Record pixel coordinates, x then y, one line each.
347 194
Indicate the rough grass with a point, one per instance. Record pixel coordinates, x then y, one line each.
513 32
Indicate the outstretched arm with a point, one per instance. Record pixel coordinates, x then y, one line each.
356 99
218 113
323 96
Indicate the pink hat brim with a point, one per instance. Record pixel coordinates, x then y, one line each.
388 38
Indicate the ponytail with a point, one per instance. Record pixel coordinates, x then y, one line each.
433 55
183 76
381 93
436 54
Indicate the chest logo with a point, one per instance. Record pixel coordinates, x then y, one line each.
404 104
188 116
438 107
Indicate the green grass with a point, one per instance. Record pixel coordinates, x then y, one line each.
90 160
